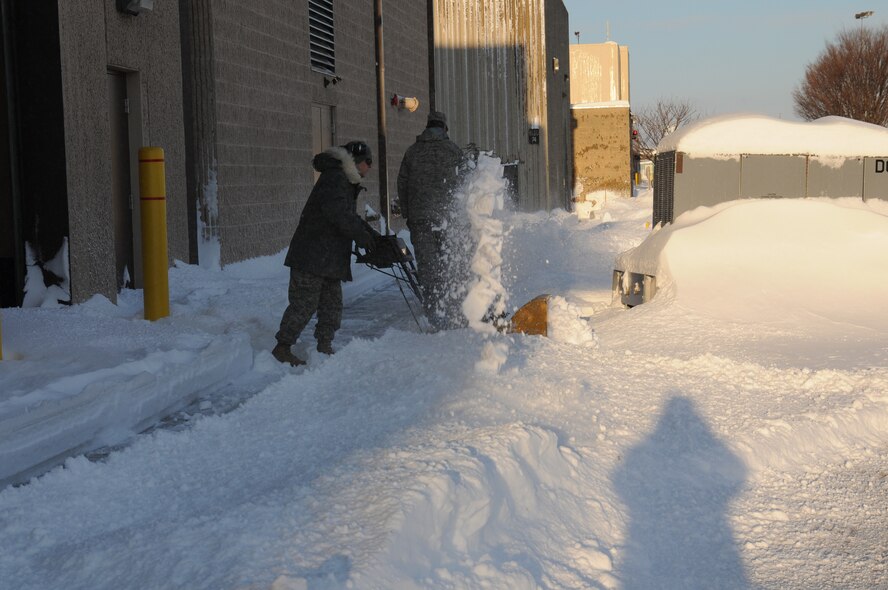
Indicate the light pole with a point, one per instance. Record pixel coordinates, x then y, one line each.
577 33
862 15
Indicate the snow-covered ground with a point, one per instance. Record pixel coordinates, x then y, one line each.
688 444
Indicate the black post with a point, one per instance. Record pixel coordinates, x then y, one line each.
430 23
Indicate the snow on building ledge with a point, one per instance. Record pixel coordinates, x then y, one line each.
611 104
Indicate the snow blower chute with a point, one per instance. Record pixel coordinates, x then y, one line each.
532 317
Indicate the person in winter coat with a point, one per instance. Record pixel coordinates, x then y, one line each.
319 256
429 174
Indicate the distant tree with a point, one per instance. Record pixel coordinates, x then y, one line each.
655 122
849 79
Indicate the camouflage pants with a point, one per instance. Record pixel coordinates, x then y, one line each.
307 295
439 276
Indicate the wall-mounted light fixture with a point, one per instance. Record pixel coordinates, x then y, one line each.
332 80
135 7
411 103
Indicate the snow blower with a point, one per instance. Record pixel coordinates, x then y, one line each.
393 258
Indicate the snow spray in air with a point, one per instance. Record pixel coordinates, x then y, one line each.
484 195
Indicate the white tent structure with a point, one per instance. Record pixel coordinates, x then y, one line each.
754 156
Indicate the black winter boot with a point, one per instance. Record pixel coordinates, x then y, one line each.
325 347
283 354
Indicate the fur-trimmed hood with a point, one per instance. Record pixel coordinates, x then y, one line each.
337 157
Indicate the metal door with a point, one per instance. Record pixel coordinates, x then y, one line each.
121 187
875 178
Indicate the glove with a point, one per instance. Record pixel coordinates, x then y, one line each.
365 240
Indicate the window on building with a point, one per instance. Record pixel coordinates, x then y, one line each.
320 28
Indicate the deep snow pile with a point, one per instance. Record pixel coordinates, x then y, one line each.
684 450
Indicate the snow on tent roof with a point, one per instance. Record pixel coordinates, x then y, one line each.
731 135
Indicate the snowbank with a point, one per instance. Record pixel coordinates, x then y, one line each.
682 449
106 406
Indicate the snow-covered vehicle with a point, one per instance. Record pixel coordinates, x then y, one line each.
734 157
762 252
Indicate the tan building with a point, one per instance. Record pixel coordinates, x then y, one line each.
501 75
601 124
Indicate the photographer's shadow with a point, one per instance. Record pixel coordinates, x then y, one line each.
677 485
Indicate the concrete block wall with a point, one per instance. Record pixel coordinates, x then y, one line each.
87 150
253 91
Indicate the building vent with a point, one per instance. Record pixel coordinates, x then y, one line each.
664 187
320 28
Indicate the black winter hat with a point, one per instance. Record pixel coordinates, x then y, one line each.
437 117
360 152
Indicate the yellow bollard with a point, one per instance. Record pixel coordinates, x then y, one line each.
152 201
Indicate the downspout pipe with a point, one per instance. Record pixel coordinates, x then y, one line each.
382 164
430 23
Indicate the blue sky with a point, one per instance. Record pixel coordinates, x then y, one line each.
724 57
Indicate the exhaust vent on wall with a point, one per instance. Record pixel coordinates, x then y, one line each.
320 28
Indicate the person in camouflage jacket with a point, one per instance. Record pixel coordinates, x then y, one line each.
319 256
427 179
